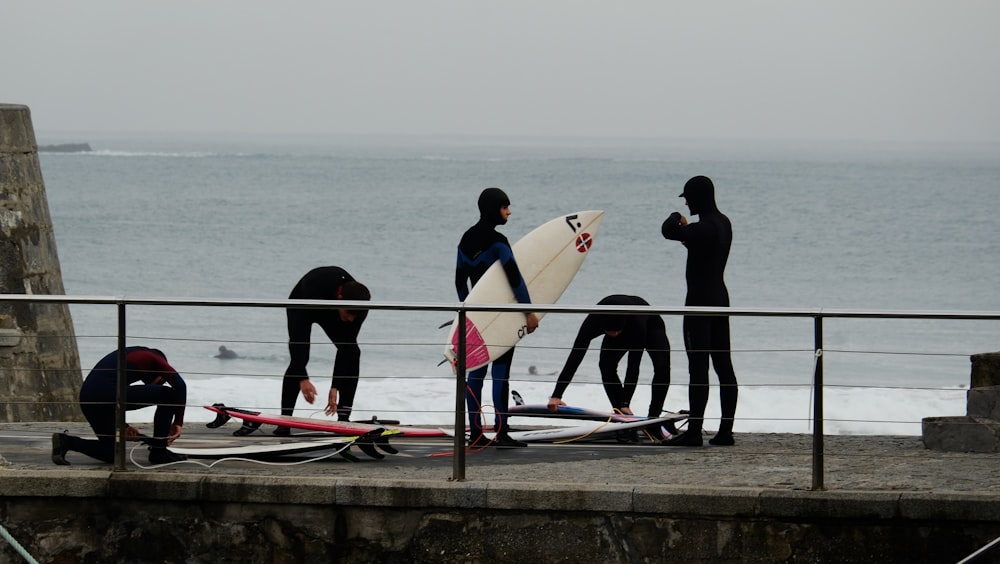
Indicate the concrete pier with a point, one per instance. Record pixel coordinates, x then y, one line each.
887 499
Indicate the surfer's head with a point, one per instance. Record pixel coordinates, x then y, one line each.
357 292
492 202
700 194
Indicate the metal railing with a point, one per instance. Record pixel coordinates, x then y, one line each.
818 315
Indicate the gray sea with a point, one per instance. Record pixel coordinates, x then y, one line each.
844 225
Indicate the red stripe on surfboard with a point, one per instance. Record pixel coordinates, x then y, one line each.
327 426
476 353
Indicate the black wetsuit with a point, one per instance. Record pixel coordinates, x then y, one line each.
100 388
322 283
638 333
480 247
708 242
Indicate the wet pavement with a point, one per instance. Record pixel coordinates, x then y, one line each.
774 461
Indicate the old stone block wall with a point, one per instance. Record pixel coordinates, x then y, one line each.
39 361
979 429
74 530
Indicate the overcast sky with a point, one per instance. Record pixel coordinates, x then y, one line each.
855 69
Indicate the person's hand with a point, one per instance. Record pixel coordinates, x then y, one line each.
131 433
532 322
308 390
554 404
175 433
684 220
331 402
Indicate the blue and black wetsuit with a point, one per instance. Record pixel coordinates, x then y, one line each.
637 333
160 385
324 283
708 242
480 247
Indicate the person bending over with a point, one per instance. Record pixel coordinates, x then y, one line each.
623 333
340 325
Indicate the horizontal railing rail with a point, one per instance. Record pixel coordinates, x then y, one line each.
818 315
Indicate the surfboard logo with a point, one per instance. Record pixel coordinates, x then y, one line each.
583 242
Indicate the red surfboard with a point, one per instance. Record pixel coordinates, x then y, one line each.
350 428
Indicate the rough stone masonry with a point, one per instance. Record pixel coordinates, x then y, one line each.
39 361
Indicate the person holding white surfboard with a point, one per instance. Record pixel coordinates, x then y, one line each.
706 337
622 334
340 325
481 246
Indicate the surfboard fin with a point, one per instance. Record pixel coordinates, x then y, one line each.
222 415
367 441
247 428
382 443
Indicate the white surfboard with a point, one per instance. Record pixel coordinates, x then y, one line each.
593 430
586 431
259 450
548 257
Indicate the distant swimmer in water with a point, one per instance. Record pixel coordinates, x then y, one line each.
226 353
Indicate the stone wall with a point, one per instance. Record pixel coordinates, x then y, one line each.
979 429
39 362
91 517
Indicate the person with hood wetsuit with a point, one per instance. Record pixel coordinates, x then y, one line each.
340 325
622 333
705 337
480 247
152 381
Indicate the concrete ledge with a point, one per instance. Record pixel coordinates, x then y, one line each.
85 515
843 505
65 483
419 494
950 506
410 493
559 497
677 500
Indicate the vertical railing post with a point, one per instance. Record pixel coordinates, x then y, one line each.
120 396
458 464
817 454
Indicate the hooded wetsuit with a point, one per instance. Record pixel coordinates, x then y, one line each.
480 247
100 388
323 283
638 333
708 242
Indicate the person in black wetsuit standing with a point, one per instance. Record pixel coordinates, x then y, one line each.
480 247
160 385
340 325
622 333
705 337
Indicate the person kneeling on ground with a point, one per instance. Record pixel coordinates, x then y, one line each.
159 385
